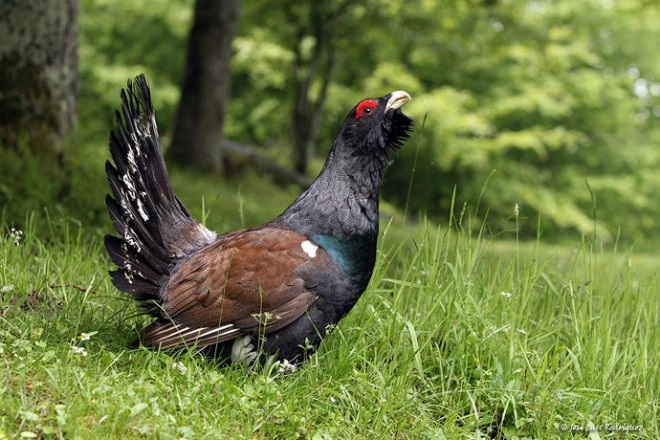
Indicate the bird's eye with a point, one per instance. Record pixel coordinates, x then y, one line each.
366 107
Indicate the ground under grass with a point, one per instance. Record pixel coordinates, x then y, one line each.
457 336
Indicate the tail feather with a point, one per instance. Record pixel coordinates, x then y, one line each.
119 255
155 230
152 253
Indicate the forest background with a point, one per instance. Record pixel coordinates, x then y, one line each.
546 109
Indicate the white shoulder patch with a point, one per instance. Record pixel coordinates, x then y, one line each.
309 248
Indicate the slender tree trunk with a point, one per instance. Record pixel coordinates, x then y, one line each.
38 74
308 109
198 128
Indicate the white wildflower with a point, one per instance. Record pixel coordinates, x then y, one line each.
79 350
86 336
522 331
180 366
506 294
16 235
284 366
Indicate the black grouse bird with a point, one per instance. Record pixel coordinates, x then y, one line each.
277 288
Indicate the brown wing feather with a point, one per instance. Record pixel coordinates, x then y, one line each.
245 278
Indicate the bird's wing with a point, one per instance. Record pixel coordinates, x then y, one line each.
246 282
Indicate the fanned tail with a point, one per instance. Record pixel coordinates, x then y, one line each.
155 229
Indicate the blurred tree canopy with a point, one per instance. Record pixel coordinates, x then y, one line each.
551 106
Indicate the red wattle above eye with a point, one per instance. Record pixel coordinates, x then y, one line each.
366 104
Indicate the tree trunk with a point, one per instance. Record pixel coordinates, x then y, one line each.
198 128
308 109
38 74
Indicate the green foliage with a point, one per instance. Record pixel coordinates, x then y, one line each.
525 103
523 107
551 106
41 183
259 113
456 337
120 39
544 105
60 186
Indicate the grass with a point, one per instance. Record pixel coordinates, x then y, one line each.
458 336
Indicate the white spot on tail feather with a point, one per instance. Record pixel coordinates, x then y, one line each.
131 239
132 164
129 185
141 210
309 248
124 209
128 272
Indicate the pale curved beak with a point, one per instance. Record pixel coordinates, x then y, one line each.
397 100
